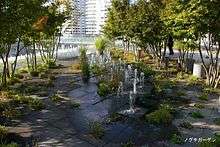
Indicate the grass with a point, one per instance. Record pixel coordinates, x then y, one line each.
97 130
203 97
196 115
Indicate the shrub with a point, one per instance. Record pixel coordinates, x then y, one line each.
217 121
36 104
13 81
3 132
177 139
23 70
203 97
97 130
56 98
34 73
117 53
101 44
19 76
51 64
196 115
84 65
75 104
103 89
97 70
192 80
9 145
161 116
186 125
11 113
199 106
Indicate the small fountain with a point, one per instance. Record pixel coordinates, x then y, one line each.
135 82
142 78
131 109
126 76
120 89
111 72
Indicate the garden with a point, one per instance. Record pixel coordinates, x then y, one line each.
153 80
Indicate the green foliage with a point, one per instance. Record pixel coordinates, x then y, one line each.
117 53
203 97
199 106
177 139
36 104
19 76
3 132
13 81
161 116
56 98
145 68
84 65
186 125
196 115
97 70
103 89
9 145
34 73
101 43
97 130
128 144
192 80
217 121
114 117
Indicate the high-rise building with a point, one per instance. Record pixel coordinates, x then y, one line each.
89 18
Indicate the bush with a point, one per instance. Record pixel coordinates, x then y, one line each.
23 70
51 64
97 130
101 44
203 97
177 139
192 80
13 81
186 125
56 98
103 89
36 104
9 145
84 65
217 121
199 106
117 53
34 73
196 115
19 76
97 70
3 132
161 116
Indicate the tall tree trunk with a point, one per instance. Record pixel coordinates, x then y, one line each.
16 58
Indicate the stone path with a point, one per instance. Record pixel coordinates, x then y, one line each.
61 125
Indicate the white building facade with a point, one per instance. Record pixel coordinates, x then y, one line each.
89 18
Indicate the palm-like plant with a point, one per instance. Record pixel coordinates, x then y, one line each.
101 44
